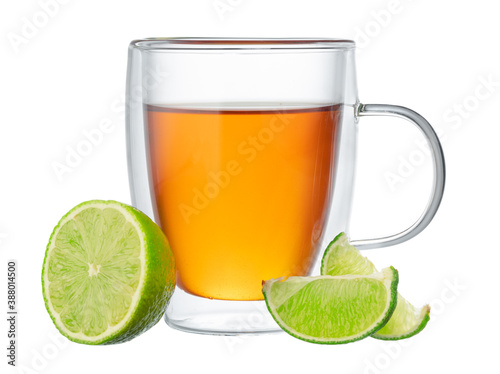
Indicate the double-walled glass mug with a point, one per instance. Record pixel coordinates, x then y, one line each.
243 151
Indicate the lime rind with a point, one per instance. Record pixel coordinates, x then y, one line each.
147 302
341 258
322 316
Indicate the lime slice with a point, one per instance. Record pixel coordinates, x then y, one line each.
108 273
341 258
332 310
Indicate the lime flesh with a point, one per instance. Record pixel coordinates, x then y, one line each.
342 258
108 273
332 310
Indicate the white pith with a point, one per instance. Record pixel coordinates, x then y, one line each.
135 298
94 269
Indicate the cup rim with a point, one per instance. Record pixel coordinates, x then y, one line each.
221 43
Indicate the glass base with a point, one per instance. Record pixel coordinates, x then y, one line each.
187 312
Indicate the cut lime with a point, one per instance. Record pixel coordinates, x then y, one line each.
332 310
108 273
342 258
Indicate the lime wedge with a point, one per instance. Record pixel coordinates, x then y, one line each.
342 258
406 321
108 273
332 310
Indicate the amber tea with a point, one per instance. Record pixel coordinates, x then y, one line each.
242 195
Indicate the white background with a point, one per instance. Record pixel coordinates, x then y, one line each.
68 75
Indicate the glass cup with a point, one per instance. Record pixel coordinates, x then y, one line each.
243 151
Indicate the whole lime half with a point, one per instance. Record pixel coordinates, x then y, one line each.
108 273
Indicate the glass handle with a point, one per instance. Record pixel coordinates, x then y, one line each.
438 180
